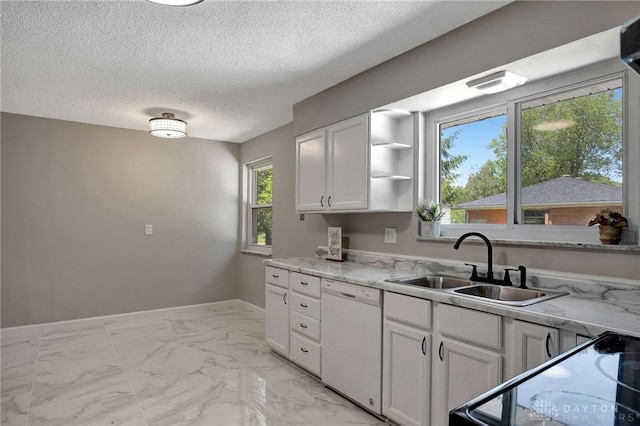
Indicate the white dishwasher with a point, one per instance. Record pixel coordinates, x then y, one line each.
351 332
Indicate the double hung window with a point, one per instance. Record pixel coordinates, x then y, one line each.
259 205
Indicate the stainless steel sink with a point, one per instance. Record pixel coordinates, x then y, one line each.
432 282
508 295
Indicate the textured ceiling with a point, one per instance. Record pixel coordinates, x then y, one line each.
232 69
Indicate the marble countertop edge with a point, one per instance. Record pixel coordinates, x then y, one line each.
586 316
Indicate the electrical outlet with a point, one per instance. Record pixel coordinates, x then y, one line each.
148 229
390 235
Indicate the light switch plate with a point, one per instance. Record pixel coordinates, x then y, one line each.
148 229
390 235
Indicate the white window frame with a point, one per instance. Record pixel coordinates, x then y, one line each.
511 99
250 204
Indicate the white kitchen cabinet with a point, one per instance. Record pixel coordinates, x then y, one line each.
364 163
406 368
311 171
347 165
467 360
464 372
529 346
277 319
305 322
332 168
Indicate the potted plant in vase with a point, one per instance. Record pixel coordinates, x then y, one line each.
429 212
611 225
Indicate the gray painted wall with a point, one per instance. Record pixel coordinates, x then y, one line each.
75 199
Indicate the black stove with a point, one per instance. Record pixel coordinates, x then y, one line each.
595 384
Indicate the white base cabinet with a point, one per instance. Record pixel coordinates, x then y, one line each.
305 322
468 359
464 372
406 371
530 345
277 310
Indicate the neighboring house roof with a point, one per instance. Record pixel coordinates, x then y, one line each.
562 190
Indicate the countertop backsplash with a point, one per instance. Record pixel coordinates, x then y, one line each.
623 291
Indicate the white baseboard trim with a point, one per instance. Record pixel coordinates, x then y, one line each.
135 313
251 306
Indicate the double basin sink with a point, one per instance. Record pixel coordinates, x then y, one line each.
505 295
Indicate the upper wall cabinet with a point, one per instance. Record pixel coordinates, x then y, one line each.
392 139
311 171
364 163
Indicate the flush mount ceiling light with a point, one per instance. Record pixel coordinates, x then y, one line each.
497 82
168 126
175 2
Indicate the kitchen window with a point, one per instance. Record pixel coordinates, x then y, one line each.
259 214
537 162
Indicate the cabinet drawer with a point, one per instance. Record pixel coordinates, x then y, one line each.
305 284
470 325
277 276
305 305
407 309
305 353
305 325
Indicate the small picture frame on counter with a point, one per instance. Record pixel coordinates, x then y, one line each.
335 244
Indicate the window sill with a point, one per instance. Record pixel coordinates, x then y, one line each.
255 253
624 247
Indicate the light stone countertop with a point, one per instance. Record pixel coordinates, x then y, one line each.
603 307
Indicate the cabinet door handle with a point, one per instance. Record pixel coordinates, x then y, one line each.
546 345
304 350
329 201
424 345
304 306
303 283
322 201
305 326
284 298
441 351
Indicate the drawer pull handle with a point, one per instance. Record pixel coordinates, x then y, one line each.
440 351
305 326
304 350
546 344
304 283
275 276
424 345
304 306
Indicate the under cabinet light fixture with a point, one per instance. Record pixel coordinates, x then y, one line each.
497 82
175 2
168 126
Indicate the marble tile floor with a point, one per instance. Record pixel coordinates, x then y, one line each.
202 365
